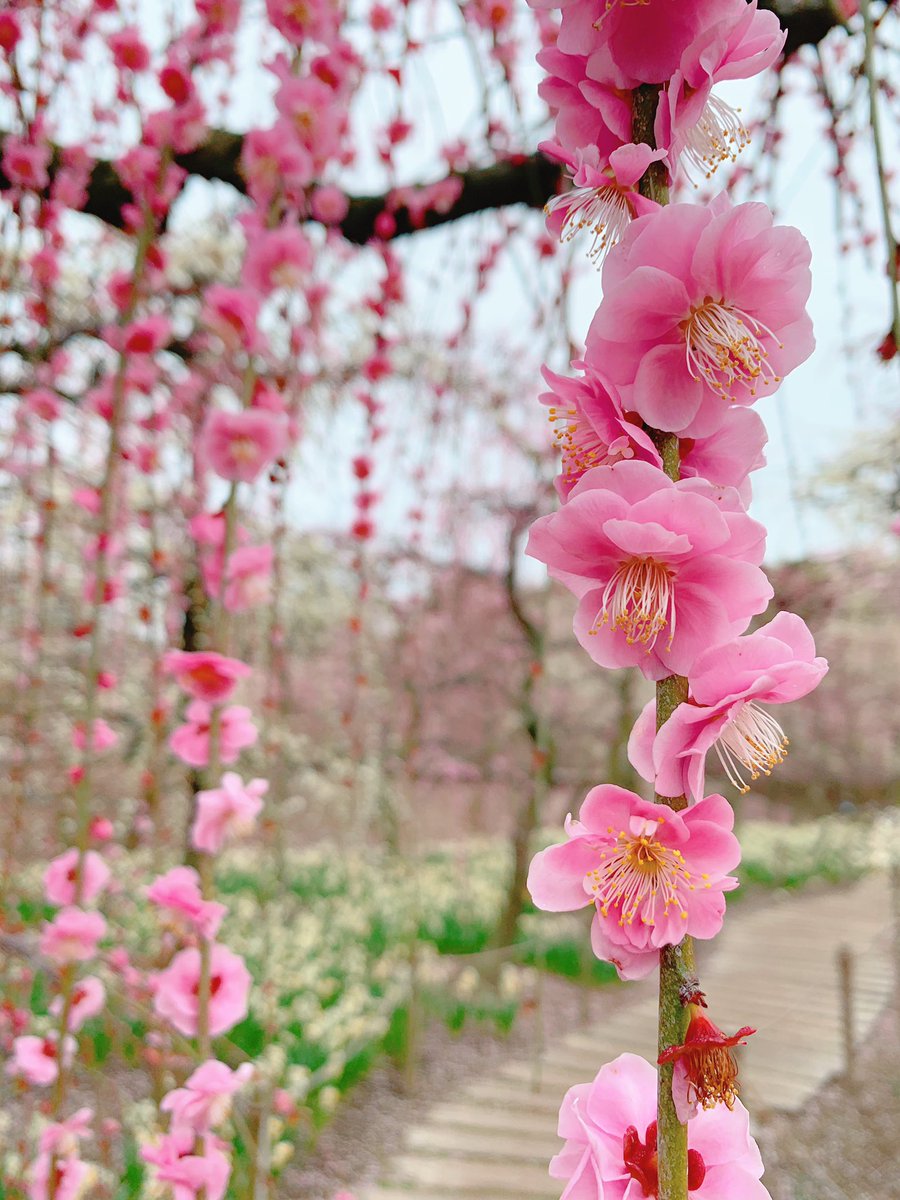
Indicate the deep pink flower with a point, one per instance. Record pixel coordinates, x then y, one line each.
228 811
239 446
609 1127
205 1100
175 996
190 742
705 1072
72 936
61 872
88 998
204 674
25 164
104 737
588 114
190 1175
702 306
128 49
653 875
660 568
728 682
179 891
35 1059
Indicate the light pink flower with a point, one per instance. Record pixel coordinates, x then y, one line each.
190 1175
228 811
72 936
249 578
25 164
175 997
190 742
239 446
276 258
61 873
661 569
71 1178
204 674
35 1059
609 1127
43 403
62 1137
205 1100
653 875
104 737
179 891
728 682
703 306
232 313
305 20
88 998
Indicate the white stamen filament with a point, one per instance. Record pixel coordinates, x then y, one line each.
580 444
751 741
640 600
604 211
723 346
640 874
718 137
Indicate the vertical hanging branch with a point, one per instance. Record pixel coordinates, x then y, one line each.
675 962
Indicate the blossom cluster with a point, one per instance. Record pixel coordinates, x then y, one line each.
703 312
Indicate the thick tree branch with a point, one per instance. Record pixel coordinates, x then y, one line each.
528 180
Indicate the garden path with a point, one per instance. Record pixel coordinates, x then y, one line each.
774 967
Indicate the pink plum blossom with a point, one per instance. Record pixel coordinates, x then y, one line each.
660 569
588 114
228 811
703 307
653 875
205 674
205 1100
239 446
179 891
276 258
190 742
190 1175
175 996
62 1137
88 998
61 875
232 313
728 683
35 1059
104 737
609 1127
248 578
71 1178
72 935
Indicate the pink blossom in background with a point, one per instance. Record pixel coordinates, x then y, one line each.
25 164
43 403
276 258
205 674
88 999
232 313
128 49
189 1174
61 873
103 739
71 1178
205 1100
329 205
62 1137
72 936
774 665
239 446
190 742
175 996
653 875
35 1058
660 568
609 1127
226 812
147 335
179 891
249 578
703 306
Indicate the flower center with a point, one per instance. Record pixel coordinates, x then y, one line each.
724 347
642 1162
640 600
637 876
718 137
581 445
604 211
751 741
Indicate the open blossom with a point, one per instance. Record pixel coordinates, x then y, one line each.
610 1130
190 742
190 1175
72 935
61 875
728 683
276 258
205 1100
248 581
226 812
659 568
239 446
35 1059
205 674
703 306
232 313
179 891
71 1178
653 875
88 998
175 996
592 118
705 1071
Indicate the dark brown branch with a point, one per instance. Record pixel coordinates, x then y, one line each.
528 180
